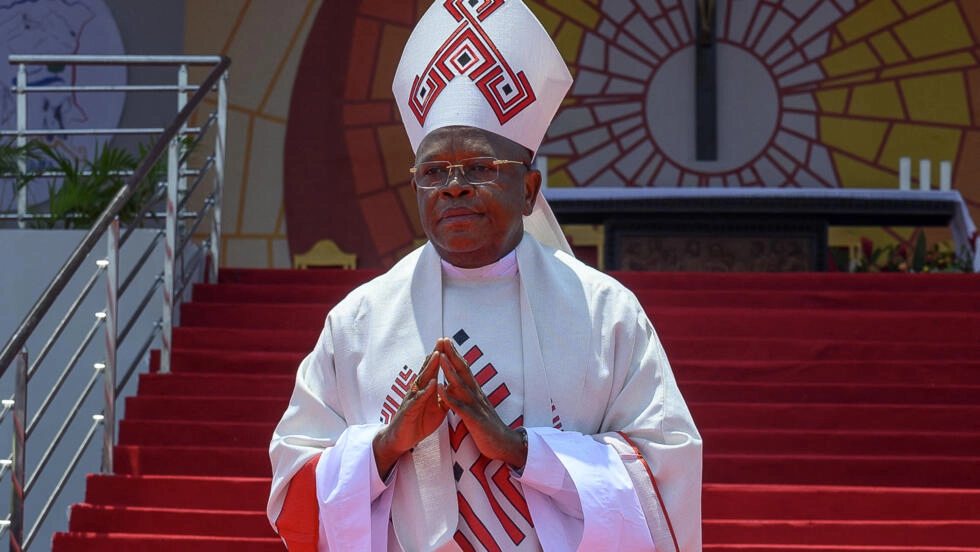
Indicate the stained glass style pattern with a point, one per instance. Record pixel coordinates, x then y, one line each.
811 93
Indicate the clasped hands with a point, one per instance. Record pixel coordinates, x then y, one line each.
425 407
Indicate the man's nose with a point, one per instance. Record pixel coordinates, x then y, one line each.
457 185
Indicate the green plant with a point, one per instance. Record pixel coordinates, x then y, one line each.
11 156
83 188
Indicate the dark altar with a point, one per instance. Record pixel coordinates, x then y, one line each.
738 229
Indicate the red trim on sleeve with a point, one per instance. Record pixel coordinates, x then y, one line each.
656 488
299 521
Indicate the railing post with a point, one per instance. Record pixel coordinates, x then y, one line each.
21 100
181 102
111 335
181 168
18 469
169 286
214 255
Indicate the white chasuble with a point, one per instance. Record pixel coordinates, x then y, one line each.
621 473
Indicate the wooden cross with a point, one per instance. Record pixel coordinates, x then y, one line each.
706 84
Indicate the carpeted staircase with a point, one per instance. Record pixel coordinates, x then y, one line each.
839 412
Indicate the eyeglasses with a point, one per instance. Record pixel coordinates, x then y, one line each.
475 171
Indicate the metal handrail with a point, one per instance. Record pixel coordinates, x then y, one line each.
213 118
60 434
157 197
205 170
196 261
56 173
94 131
63 376
47 216
157 282
125 193
157 326
221 62
46 509
113 88
180 227
140 262
63 323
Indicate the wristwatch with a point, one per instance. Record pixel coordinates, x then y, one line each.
523 433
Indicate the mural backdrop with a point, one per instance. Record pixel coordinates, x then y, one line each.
812 93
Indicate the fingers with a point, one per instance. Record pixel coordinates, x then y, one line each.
453 364
427 373
462 394
418 394
426 392
446 403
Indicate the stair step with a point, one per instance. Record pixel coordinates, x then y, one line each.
835 502
799 468
266 276
920 326
244 316
270 293
903 533
744 281
273 340
875 282
214 361
844 442
800 349
197 461
195 434
741 281
831 548
680 348
652 298
826 469
762 392
210 409
937 327
128 519
214 385
168 542
882 372
170 491
823 416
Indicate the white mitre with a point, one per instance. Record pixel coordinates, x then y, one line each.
487 64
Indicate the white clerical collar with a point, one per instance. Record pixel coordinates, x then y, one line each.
506 266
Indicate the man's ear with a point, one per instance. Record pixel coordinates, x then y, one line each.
532 184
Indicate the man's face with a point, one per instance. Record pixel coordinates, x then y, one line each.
472 226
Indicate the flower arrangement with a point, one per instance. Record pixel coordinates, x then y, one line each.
939 257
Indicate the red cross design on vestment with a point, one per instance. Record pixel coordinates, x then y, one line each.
469 52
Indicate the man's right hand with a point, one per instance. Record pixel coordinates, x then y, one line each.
418 416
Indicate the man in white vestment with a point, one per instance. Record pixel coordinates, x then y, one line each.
489 392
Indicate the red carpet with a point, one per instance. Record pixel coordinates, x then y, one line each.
840 412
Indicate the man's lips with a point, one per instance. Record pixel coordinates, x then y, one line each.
455 214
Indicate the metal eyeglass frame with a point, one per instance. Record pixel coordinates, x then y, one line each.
459 165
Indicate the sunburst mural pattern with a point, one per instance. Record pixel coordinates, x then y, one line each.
811 93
